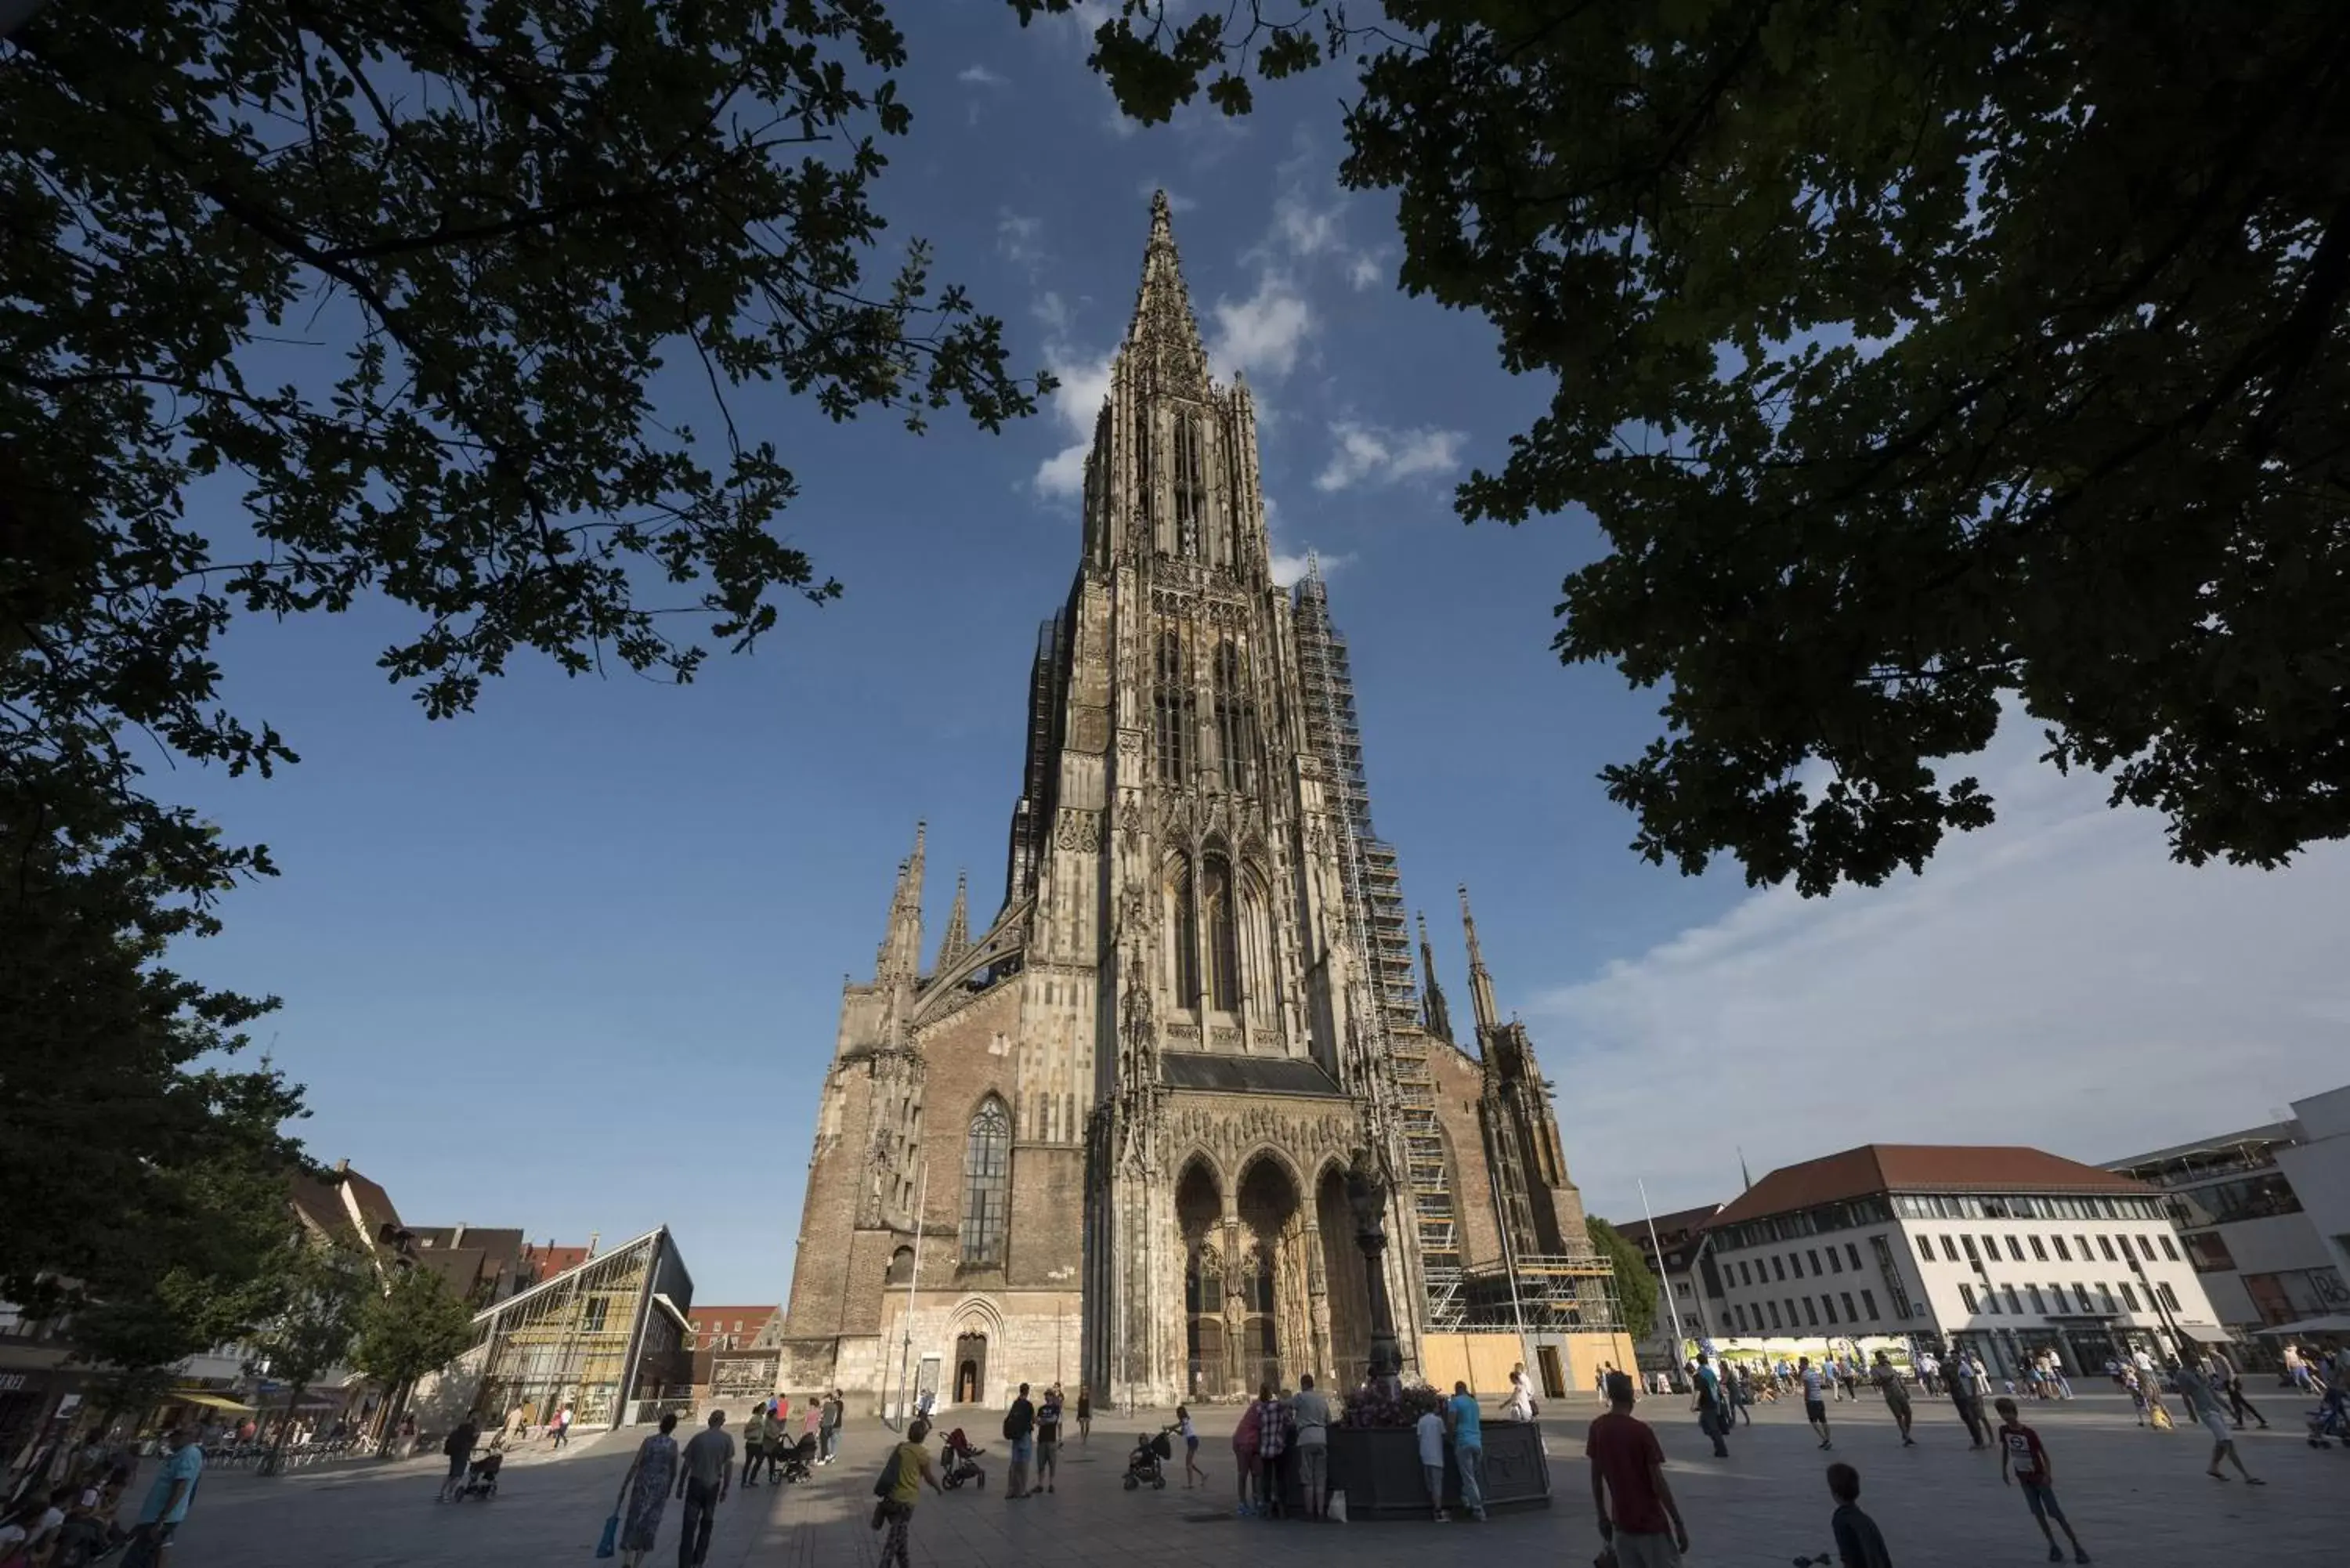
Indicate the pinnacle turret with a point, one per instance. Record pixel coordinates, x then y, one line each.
957 941
901 956
1481 982
1434 1015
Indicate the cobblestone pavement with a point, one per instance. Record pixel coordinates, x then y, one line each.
2136 1498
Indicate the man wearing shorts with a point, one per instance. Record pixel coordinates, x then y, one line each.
2203 1404
2019 1449
1816 1407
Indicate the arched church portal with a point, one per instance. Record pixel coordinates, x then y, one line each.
1349 1288
1199 1212
970 1368
1266 1280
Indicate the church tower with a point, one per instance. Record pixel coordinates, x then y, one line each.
1132 1101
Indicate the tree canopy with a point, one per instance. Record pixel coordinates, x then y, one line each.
307 303
413 1325
1636 1287
1921 363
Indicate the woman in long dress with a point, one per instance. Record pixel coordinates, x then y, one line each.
644 1492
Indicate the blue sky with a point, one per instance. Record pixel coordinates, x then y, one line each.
572 962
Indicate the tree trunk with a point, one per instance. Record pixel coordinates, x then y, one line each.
274 1463
389 1416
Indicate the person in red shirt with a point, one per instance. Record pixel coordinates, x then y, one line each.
1635 1504
2019 1449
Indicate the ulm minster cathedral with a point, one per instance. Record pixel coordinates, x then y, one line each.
1125 1110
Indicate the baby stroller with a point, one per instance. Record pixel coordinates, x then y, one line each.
1148 1463
962 1462
799 1460
482 1476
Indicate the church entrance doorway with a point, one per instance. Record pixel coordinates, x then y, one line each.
970 1368
1349 1289
1200 1212
1266 1288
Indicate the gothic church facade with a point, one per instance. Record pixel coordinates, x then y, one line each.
1103 1140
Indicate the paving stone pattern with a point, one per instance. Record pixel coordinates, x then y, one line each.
2137 1497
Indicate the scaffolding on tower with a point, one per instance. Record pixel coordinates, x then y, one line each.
1375 923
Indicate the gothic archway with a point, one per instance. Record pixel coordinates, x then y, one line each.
1200 1212
1265 1284
970 1368
1350 1290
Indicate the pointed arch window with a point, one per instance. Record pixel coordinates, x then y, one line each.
1235 716
987 1184
1184 930
1175 712
1224 937
1190 485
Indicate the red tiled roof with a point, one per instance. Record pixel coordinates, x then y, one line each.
705 1316
1919 1167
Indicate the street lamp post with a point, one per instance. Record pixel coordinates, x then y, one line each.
1366 1193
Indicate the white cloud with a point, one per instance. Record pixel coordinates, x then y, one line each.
1263 333
1375 455
1020 239
1364 271
2054 980
1288 570
1076 403
980 76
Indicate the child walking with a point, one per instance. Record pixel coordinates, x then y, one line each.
2020 1446
1190 1448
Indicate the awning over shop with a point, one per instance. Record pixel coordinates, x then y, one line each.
2332 1322
207 1398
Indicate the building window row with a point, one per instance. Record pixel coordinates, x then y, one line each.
2065 1252
2023 1206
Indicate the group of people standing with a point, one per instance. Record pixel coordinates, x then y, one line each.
767 1433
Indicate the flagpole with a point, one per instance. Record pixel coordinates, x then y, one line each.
1664 1276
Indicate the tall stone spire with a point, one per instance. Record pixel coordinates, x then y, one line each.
1480 983
901 951
957 941
1163 341
1434 1015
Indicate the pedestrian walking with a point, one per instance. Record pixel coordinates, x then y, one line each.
562 1426
459 1448
1020 1432
1468 1449
1638 1520
1712 1409
704 1473
1815 1409
1429 1431
1896 1397
2022 1451
1048 1436
1520 1406
1085 1414
1965 1377
902 1480
2203 1404
754 1444
1273 1427
644 1492
1191 1434
828 1427
168 1499
1858 1542
2229 1382
1311 1408
1742 1392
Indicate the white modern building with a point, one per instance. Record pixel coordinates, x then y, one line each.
2005 1250
2318 1165
2245 1224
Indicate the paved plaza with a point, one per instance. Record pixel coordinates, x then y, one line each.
2137 1497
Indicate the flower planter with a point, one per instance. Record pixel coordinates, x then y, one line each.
1378 1469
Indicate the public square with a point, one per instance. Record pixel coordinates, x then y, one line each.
2137 1496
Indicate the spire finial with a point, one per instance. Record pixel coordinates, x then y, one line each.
1164 338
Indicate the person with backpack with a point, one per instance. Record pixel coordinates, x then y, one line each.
898 1488
1020 1432
1713 1417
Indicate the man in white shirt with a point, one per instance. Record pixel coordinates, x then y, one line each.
1815 1409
